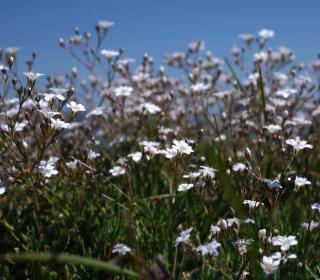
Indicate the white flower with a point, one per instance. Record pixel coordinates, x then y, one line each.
192 175
298 144
105 24
3 189
92 155
199 87
57 124
184 236
262 233
123 91
75 107
49 114
17 128
72 164
32 76
99 111
210 248
47 168
109 53
214 230
252 203
270 264
150 108
238 167
316 206
301 182
117 171
168 153
184 187
182 147
135 156
232 221
207 172
273 128
273 184
150 146
285 242
266 33
121 249
310 226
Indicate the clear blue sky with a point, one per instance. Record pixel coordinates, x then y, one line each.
157 27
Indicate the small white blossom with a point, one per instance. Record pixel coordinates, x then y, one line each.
270 264
32 76
123 91
207 172
252 203
301 182
266 33
298 144
121 249
47 168
58 124
310 226
49 114
150 108
285 242
184 236
182 147
109 53
239 167
273 184
135 156
184 187
316 206
72 164
92 155
117 171
210 248
199 87
273 128
75 107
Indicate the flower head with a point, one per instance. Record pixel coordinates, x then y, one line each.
184 236
298 144
285 242
75 107
32 76
121 249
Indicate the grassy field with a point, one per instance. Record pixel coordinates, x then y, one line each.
137 172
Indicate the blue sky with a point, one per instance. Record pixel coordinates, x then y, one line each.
157 27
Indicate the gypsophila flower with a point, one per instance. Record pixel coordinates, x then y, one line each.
273 128
93 155
199 87
316 206
109 53
49 114
266 33
32 76
214 230
210 248
59 124
301 182
285 242
117 171
150 108
75 107
298 144
47 168
121 249
72 164
123 91
270 264
207 172
184 187
239 167
182 147
184 236
310 226
252 203
135 156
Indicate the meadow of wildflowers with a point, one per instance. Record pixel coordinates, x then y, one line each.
202 168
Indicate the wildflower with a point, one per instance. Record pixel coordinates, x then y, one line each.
252 203
270 264
214 230
47 168
49 114
284 241
99 111
123 91
239 167
316 206
169 153
121 249
32 76
232 221
109 53
301 182
150 146
150 108
76 107
57 124
135 156
117 171
184 187
207 172
266 33
242 245
92 155
210 248
273 184
273 128
199 87
184 236
3 189
105 24
298 144
182 147
19 126
310 226
72 164
262 233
